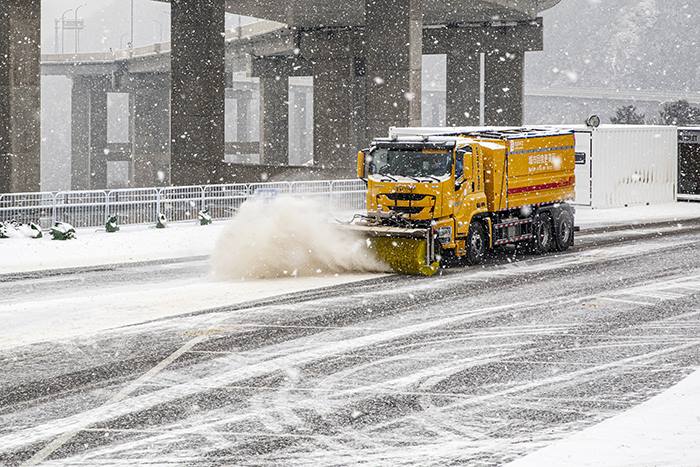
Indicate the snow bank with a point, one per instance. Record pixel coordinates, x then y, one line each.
94 247
588 218
288 237
664 430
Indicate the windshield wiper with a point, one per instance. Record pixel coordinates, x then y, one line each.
434 178
388 176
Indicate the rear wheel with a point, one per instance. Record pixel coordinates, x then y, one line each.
564 231
542 229
476 243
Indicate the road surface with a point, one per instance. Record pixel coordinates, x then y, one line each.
478 366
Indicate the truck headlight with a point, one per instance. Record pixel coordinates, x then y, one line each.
444 234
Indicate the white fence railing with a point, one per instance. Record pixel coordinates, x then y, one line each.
182 203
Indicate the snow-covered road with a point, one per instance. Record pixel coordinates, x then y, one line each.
479 366
38 308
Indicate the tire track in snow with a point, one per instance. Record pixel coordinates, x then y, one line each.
521 271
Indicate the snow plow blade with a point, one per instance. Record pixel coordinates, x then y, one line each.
406 251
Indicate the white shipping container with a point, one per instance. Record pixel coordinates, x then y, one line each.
626 165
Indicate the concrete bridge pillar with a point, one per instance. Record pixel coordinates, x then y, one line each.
333 103
393 54
20 95
274 110
198 90
243 102
274 73
151 137
503 88
463 87
80 133
504 47
89 132
300 124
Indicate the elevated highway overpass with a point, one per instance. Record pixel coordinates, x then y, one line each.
364 57
312 14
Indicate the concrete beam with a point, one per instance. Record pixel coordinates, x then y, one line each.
322 44
525 36
84 68
20 95
156 63
198 89
280 42
307 13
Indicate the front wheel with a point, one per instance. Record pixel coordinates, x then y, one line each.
476 243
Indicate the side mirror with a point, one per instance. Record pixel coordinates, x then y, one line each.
361 164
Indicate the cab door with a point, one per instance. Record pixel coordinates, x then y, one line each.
469 196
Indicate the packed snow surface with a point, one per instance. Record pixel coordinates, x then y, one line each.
100 307
285 237
664 430
588 218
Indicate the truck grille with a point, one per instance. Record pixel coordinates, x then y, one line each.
405 196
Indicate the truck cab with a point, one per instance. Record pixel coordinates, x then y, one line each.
437 184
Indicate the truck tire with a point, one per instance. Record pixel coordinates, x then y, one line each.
564 231
477 243
543 231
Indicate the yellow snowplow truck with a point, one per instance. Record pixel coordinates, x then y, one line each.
455 195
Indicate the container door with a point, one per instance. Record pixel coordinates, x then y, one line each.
689 163
583 170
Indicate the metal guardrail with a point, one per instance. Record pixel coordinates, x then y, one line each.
182 203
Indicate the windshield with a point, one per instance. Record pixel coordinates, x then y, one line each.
410 163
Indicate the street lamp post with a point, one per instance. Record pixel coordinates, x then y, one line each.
77 30
132 24
63 30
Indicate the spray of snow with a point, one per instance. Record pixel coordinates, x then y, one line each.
288 237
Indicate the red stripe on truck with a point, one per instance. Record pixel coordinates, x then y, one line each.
546 186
